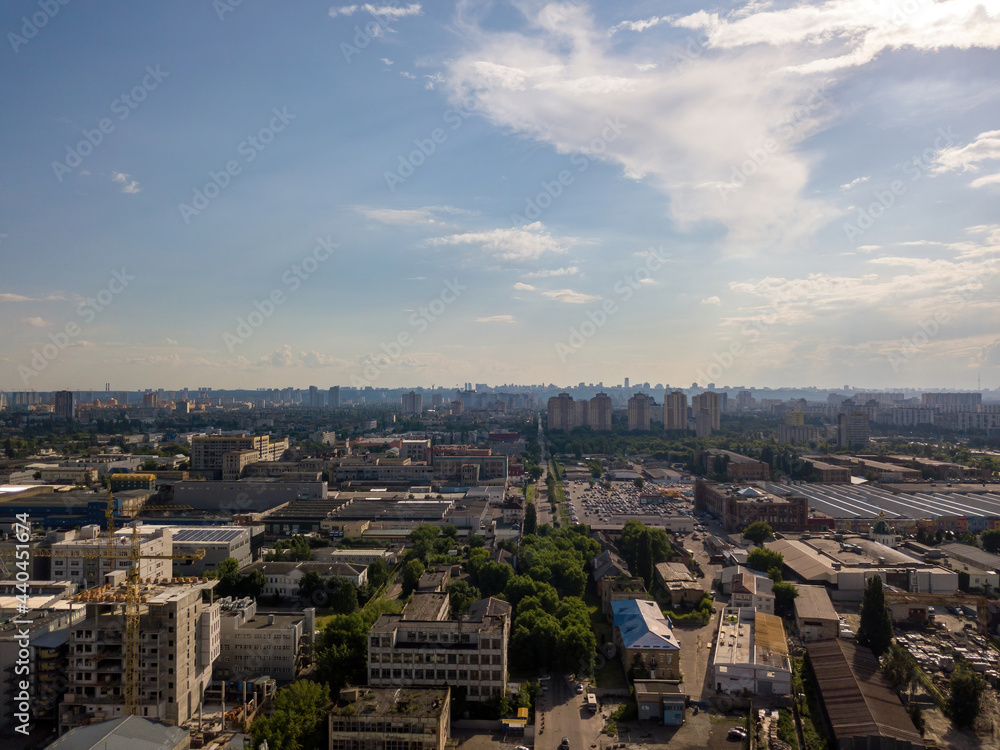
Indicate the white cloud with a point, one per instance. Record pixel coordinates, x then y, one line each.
570 297
317 359
647 23
522 287
497 319
9 297
518 244
854 183
412 216
407 74
379 11
970 158
168 342
128 184
386 60
713 300
763 78
35 322
280 357
567 271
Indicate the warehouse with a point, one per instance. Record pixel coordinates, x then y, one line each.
815 616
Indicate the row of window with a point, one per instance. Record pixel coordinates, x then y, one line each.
397 657
439 674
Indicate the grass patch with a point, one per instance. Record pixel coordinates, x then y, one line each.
786 728
810 718
625 712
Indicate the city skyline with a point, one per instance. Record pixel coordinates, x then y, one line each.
385 195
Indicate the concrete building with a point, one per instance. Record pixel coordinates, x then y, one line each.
421 648
391 719
710 403
122 482
254 496
219 543
471 471
415 450
282 578
646 640
179 644
333 397
790 433
815 617
208 452
255 645
852 429
828 473
660 699
70 560
675 411
677 582
561 413
751 591
751 654
739 468
600 413
65 405
413 403
640 411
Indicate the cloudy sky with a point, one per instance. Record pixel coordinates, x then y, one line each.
243 194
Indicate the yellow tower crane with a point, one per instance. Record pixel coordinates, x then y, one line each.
133 597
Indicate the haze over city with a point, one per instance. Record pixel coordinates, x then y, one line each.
253 195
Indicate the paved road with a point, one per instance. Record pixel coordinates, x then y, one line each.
565 715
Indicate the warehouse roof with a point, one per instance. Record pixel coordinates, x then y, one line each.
858 700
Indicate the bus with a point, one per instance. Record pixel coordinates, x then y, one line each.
592 702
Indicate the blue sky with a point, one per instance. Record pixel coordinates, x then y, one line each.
506 192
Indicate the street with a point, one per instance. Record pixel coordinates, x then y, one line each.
562 712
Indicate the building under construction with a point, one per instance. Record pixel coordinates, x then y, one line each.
179 641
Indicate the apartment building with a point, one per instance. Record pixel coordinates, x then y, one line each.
852 429
675 411
640 412
179 642
599 413
254 645
421 648
566 414
413 403
710 403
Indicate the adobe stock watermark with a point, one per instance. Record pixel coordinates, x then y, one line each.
552 189
223 7
88 312
752 331
249 149
30 26
375 363
122 106
408 164
293 279
759 156
914 168
926 331
598 317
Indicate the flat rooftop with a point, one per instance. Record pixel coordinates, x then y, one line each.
913 500
415 702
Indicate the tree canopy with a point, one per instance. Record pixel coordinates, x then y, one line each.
875 630
965 695
764 559
758 532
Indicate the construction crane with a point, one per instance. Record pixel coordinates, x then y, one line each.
133 597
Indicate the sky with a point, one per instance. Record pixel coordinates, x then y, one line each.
252 194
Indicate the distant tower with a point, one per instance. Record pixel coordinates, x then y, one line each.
334 397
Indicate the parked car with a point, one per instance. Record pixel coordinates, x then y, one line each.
737 733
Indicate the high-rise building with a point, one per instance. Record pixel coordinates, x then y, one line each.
150 400
675 411
795 417
437 401
333 400
65 405
626 382
852 429
179 641
640 410
413 403
562 413
599 416
315 400
710 402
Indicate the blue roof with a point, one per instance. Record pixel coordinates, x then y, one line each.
641 624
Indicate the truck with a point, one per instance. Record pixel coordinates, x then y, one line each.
592 702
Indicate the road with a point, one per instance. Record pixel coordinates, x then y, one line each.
562 713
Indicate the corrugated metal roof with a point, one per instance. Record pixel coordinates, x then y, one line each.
857 699
128 733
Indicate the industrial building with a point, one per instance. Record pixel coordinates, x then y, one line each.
256 644
863 711
751 654
815 617
660 699
646 640
218 542
131 732
738 506
423 648
391 719
250 496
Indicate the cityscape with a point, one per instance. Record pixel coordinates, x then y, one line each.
500 375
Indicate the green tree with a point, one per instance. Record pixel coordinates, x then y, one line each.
898 668
763 559
784 598
461 594
875 630
965 695
311 583
991 540
298 718
411 576
424 539
530 519
758 532
493 577
476 541
378 573
252 584
343 595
